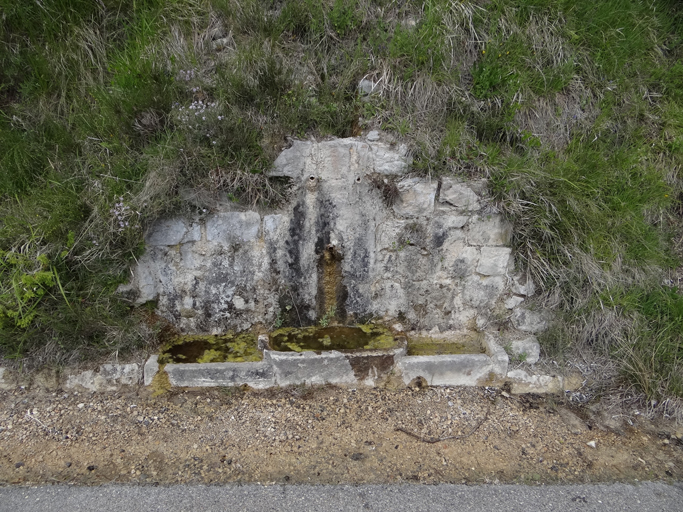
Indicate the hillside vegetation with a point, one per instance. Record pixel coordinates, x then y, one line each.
112 112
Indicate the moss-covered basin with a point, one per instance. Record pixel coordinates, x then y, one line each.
202 348
314 338
428 346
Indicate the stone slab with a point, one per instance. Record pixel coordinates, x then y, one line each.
169 232
448 370
458 195
150 370
524 382
499 358
109 377
295 368
127 374
257 375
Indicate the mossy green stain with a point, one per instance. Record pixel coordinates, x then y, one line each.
229 347
425 346
361 337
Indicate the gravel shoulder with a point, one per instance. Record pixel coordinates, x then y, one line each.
324 435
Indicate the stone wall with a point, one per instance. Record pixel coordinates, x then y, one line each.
431 254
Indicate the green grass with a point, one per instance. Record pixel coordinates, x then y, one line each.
110 110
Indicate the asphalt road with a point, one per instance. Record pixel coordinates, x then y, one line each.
322 498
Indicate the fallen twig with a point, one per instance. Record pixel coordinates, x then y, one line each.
433 440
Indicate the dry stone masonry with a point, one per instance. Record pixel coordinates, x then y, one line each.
431 254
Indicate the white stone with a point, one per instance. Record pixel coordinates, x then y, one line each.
128 374
4 383
257 375
499 358
151 369
458 195
367 87
292 368
489 230
416 197
372 136
233 227
493 261
239 302
167 232
523 285
523 382
292 161
447 370
480 292
513 302
527 349
529 321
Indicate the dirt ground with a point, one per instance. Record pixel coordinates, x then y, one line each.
325 435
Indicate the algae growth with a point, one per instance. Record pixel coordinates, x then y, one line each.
426 346
199 348
368 337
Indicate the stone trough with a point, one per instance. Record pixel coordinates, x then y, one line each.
352 368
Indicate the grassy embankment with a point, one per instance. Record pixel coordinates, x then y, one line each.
111 110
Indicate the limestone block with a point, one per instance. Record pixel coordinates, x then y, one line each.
128 374
481 292
292 161
257 375
523 285
167 232
367 87
513 302
4 380
458 195
493 261
527 349
489 230
145 279
523 382
447 370
233 227
151 369
529 321
499 358
416 197
372 136
292 368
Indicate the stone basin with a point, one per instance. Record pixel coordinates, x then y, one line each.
354 366
359 354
